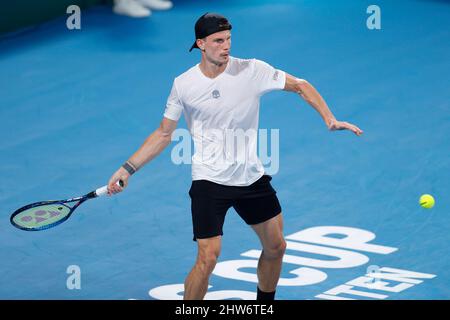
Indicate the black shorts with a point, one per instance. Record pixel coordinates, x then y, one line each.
255 203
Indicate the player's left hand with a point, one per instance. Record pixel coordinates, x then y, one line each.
342 125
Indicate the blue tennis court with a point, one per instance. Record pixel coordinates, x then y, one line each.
75 104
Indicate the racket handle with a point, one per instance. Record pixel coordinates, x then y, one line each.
104 190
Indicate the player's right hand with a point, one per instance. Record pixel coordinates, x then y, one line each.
119 175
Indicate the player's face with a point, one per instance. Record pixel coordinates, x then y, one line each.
217 47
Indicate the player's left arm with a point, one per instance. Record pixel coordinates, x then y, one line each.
310 95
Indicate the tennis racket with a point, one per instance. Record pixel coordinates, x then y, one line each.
47 214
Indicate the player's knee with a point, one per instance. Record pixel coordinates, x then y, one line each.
207 264
207 261
275 250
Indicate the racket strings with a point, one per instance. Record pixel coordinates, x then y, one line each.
42 215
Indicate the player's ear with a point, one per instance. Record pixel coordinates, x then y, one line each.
201 44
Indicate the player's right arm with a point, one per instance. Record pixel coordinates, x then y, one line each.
152 146
313 98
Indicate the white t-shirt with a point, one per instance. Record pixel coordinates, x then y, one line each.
222 115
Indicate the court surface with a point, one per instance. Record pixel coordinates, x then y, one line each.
76 104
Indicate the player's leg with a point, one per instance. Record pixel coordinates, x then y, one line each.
208 215
260 208
270 234
196 283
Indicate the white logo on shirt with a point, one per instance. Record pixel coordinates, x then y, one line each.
275 76
216 94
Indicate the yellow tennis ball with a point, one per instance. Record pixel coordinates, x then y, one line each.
426 201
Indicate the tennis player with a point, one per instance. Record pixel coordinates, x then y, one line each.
219 95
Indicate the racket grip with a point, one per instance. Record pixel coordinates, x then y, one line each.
104 190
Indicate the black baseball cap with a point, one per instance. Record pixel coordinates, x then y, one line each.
207 24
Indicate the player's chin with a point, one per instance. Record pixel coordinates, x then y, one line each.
224 57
